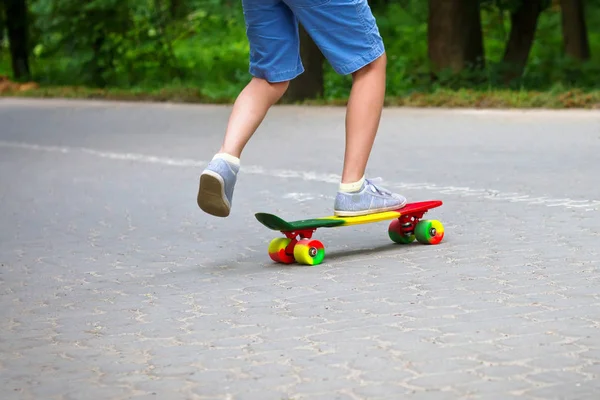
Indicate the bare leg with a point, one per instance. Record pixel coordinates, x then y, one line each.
217 181
355 196
362 117
248 112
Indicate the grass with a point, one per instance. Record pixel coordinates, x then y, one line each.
463 98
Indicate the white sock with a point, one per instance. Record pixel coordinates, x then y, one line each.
352 187
228 157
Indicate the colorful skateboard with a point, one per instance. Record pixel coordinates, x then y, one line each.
298 245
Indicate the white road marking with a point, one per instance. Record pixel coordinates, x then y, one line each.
302 197
485 194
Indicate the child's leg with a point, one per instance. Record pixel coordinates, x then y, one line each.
362 118
272 32
249 110
347 34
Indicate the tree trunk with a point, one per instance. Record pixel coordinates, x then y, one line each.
17 27
524 22
455 40
2 23
575 35
102 60
310 84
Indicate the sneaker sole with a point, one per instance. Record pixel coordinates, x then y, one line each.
368 212
211 195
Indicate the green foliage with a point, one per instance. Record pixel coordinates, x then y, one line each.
101 42
201 44
212 49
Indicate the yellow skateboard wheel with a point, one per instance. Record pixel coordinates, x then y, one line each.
309 252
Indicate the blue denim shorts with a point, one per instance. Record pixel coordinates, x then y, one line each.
344 30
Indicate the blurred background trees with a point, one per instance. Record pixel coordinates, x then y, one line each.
148 44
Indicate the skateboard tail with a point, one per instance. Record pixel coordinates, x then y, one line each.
273 222
277 224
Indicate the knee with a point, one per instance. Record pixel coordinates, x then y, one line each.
379 64
274 90
279 88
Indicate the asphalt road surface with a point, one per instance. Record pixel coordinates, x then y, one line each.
114 285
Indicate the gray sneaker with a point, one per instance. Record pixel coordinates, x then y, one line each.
217 181
369 199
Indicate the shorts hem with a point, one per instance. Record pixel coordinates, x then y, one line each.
360 62
275 77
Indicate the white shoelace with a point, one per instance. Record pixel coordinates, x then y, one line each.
375 188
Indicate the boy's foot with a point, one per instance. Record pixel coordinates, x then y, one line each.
217 181
369 199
